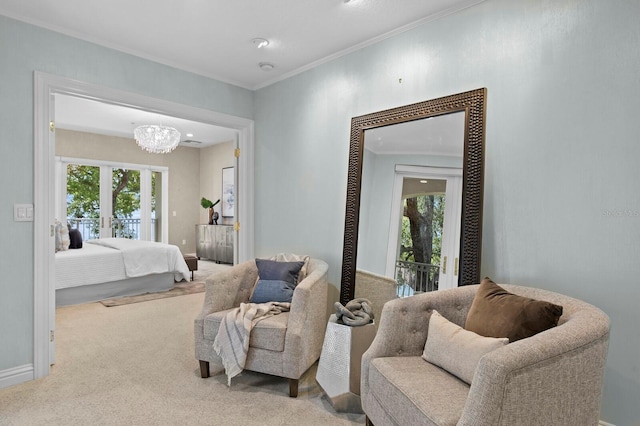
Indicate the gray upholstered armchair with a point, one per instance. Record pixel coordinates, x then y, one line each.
284 345
551 378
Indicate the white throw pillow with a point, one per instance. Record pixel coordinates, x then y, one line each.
455 349
61 236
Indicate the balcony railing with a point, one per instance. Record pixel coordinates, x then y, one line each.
413 277
121 228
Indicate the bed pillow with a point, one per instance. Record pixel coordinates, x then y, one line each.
276 281
455 349
495 312
61 236
75 238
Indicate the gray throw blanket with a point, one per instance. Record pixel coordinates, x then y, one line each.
232 341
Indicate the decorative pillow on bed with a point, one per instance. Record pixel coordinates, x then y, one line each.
276 281
75 238
61 236
455 349
495 312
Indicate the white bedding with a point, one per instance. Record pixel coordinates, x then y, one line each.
92 264
147 257
115 259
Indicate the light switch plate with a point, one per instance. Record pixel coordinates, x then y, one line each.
23 212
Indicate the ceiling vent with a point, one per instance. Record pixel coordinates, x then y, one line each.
192 142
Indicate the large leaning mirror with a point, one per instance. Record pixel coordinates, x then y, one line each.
414 194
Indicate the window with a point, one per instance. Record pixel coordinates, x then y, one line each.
104 199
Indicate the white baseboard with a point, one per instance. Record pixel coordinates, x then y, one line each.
601 423
16 375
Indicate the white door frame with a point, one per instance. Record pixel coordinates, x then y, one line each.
45 86
402 171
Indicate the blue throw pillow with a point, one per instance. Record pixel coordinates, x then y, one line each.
272 291
276 281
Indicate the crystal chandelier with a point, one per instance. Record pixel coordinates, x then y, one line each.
157 139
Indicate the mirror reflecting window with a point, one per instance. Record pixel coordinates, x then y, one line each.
408 171
384 148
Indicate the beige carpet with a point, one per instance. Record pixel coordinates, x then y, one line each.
134 365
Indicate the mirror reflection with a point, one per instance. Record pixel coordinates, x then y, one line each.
385 147
410 204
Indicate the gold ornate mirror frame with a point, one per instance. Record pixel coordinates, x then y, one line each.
473 103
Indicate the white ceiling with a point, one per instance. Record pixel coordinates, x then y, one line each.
85 115
213 38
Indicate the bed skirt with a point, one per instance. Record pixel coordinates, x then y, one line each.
129 287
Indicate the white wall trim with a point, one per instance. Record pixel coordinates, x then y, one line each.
603 423
45 86
244 203
16 375
43 218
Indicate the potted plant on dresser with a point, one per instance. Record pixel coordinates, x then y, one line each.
213 215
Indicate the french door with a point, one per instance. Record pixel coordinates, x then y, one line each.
108 199
424 235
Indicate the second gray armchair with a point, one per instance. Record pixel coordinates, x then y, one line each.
552 378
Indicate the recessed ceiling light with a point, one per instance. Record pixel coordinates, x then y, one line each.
266 66
189 135
260 42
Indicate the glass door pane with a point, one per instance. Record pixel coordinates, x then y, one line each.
420 245
83 199
125 197
104 201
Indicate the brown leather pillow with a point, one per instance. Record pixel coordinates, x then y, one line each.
497 313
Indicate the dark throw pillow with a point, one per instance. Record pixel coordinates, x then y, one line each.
495 312
276 281
76 239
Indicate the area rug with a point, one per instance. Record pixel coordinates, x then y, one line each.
180 289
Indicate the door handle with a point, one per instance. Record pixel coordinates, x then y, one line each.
455 267
444 265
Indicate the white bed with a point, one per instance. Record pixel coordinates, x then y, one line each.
113 267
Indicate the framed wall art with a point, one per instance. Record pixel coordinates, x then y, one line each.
228 192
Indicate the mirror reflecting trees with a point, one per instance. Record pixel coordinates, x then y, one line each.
438 140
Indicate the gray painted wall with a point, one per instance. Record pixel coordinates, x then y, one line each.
562 151
561 210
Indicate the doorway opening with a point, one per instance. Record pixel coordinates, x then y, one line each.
46 87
